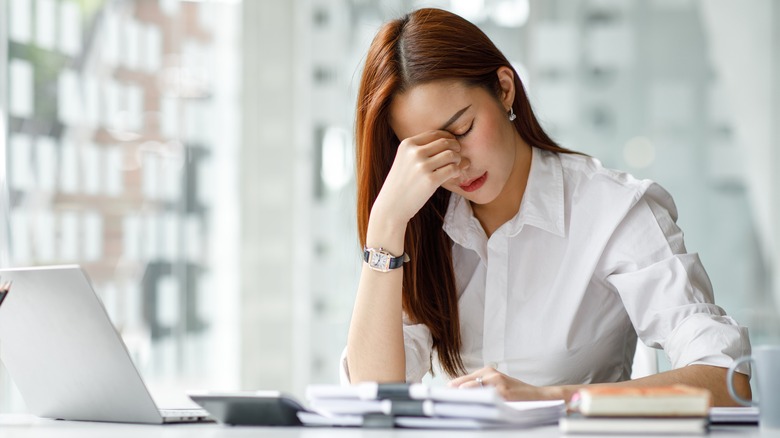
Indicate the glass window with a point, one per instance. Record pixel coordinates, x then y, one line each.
107 138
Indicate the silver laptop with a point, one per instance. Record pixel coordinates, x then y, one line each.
65 356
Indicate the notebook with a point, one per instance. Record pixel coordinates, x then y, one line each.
65 356
577 424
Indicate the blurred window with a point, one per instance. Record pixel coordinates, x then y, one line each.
121 157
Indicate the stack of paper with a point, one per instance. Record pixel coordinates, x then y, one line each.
417 405
731 415
666 409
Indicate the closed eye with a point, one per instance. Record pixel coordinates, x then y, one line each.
465 133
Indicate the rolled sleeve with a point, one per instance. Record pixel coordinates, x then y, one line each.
708 340
667 293
418 345
671 307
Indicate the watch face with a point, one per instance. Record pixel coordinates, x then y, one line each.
379 260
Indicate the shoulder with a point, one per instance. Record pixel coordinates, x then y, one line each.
587 177
589 172
599 198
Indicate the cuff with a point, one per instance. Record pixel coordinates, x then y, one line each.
708 340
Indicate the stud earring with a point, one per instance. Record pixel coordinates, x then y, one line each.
512 115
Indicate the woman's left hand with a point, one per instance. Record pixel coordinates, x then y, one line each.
509 388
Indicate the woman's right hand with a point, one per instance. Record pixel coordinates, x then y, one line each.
422 164
375 346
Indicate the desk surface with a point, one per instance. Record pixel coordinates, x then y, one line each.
26 425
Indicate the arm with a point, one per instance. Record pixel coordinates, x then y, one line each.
375 344
702 376
668 297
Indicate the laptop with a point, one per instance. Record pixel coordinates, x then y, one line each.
66 357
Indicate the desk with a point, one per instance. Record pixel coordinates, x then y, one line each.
30 426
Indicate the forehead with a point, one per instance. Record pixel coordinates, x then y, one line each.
429 106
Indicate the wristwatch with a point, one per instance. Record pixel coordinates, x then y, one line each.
380 260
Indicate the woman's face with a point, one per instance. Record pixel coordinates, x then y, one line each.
479 122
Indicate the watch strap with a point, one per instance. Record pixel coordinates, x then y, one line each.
392 263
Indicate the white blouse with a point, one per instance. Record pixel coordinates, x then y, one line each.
559 294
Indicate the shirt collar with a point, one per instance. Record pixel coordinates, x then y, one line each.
461 224
542 205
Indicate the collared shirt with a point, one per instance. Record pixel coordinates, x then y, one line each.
559 293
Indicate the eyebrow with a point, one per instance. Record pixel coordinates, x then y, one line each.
454 118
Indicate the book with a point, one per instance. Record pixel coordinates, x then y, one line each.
579 424
661 401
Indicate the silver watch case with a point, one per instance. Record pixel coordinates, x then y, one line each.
380 260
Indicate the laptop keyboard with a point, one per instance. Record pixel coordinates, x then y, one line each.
183 412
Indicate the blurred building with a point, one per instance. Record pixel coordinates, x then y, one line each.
115 113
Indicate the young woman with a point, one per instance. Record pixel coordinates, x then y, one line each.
495 256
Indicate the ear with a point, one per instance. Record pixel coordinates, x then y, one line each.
506 79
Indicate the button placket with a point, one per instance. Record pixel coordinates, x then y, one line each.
494 333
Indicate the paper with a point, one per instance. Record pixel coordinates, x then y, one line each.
734 415
369 391
422 406
482 418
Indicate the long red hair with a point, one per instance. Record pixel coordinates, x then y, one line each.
424 46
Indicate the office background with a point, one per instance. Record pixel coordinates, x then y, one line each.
196 157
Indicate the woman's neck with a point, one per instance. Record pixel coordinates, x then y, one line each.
499 211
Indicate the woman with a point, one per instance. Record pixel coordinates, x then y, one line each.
500 258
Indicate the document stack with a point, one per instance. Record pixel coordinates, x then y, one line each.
422 406
674 409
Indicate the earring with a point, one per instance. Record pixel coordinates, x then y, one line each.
512 115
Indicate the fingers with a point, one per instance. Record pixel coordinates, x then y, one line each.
486 376
439 158
431 143
471 384
442 159
429 137
455 383
507 387
422 164
464 163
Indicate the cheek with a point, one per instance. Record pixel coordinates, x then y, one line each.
485 142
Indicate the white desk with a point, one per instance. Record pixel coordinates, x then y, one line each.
29 426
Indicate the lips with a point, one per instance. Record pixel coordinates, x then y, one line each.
474 184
